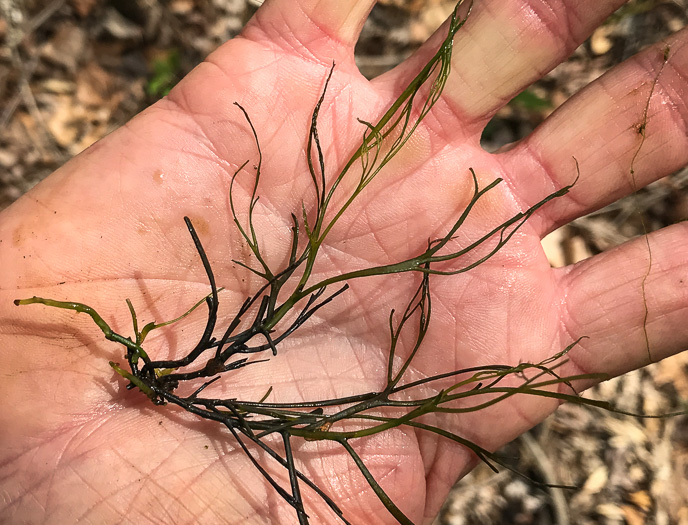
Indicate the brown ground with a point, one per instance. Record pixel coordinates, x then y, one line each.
71 71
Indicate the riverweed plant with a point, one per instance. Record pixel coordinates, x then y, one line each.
262 322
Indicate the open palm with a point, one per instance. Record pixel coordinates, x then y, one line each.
108 226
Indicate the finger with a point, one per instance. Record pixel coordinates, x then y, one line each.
601 127
604 301
505 46
312 27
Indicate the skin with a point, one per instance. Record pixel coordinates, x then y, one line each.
76 445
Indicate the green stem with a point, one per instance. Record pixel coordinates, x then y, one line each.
379 492
82 308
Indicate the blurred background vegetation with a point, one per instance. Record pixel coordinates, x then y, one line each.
71 71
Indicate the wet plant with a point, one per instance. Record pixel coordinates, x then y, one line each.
290 296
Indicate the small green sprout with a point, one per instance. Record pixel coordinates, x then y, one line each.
165 73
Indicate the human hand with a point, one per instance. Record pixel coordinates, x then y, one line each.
77 445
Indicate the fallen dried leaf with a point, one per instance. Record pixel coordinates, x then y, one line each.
597 480
600 41
94 86
64 122
67 47
633 516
